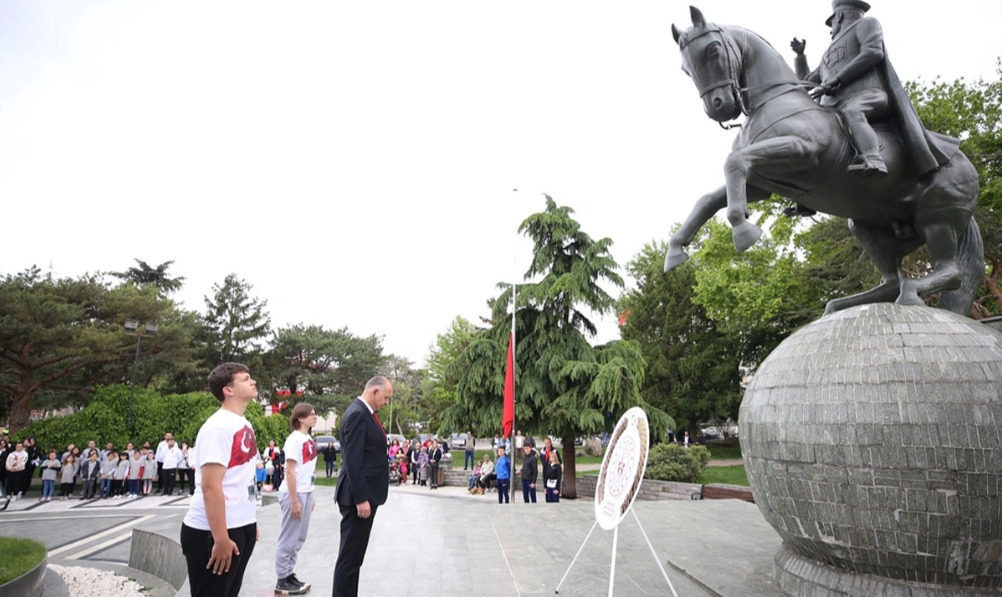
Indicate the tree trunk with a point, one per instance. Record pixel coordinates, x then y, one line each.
569 490
20 410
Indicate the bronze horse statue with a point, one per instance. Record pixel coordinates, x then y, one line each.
793 147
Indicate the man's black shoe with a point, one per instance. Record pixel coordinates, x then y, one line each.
295 580
797 210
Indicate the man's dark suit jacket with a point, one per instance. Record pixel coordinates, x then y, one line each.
365 471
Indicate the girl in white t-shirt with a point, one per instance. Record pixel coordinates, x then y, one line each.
295 496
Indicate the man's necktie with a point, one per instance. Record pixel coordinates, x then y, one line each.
375 415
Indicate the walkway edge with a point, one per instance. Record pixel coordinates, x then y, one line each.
159 556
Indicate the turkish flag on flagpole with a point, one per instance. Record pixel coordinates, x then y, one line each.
508 419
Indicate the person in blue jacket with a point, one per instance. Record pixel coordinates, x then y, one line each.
503 469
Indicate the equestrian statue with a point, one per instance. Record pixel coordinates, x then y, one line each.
859 152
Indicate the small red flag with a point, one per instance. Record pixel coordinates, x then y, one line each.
508 419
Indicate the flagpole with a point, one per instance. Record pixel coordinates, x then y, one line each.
514 291
514 294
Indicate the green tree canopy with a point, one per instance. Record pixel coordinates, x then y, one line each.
237 323
972 112
330 366
408 394
693 368
564 386
442 381
59 337
142 273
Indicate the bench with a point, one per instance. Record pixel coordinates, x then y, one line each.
724 492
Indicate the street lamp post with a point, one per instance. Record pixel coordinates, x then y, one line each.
132 327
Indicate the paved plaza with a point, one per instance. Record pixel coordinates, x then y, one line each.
445 542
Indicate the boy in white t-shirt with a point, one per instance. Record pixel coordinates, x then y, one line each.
220 530
295 495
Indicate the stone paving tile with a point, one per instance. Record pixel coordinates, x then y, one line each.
447 543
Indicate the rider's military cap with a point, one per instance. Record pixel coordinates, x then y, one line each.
837 4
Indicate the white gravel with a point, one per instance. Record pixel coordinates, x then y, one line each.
88 582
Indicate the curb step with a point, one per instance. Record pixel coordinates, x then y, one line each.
53 585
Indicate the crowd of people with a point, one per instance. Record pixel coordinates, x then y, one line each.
115 473
419 461
108 473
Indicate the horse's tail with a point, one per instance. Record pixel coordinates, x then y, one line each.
971 263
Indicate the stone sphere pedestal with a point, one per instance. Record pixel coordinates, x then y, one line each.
873 444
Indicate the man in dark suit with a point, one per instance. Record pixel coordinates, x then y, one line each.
363 482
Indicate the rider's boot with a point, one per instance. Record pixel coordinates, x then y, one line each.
868 164
798 210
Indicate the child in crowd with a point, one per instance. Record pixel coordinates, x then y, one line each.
473 478
90 472
149 472
50 470
108 467
135 469
68 479
261 474
121 475
404 459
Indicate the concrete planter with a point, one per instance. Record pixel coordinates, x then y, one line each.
28 584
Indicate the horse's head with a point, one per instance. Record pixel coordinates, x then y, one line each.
710 57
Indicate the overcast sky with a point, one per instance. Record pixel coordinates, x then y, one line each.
355 162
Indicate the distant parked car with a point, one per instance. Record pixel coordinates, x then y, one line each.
401 440
323 440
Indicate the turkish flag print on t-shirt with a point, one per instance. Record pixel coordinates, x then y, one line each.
244 447
309 450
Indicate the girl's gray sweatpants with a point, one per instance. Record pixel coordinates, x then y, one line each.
292 535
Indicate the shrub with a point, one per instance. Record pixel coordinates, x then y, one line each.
672 462
153 415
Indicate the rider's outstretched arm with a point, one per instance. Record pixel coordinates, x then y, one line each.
800 63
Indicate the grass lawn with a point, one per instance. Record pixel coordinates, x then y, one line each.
18 556
729 475
722 452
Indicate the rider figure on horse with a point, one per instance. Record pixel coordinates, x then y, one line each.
856 79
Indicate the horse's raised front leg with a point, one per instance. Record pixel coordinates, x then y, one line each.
789 152
705 207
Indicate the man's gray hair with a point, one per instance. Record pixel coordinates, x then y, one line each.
377 381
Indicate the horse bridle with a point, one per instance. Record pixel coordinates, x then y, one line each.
731 82
732 70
